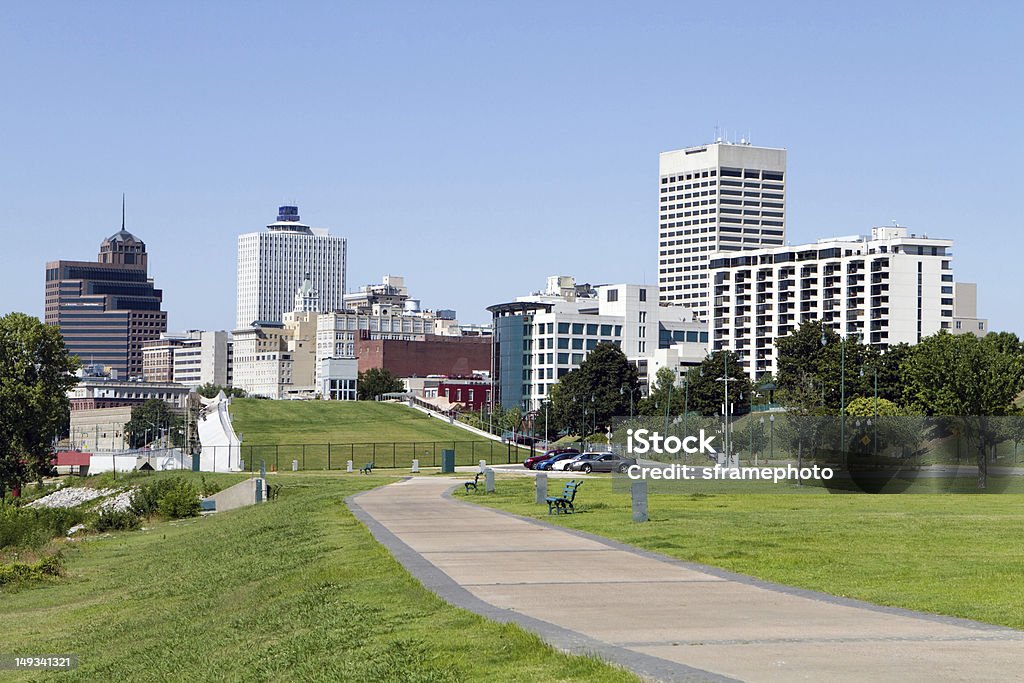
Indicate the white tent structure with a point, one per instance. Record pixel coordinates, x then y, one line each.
221 449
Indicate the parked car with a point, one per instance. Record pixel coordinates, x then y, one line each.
531 462
605 462
563 465
550 462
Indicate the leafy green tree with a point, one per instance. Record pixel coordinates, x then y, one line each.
35 374
970 379
865 407
152 420
666 391
707 392
595 392
889 364
751 437
209 390
833 367
376 381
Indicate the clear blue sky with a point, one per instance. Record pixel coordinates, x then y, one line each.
477 148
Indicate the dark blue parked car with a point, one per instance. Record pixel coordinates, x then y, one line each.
546 464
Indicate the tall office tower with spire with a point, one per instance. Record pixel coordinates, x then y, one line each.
274 263
714 198
107 308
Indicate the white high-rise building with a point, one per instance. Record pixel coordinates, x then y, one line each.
541 337
717 197
891 287
273 264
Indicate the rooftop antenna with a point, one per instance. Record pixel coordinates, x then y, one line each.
122 210
718 137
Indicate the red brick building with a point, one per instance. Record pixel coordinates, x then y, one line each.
471 392
435 355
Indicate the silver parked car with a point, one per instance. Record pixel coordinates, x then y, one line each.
605 462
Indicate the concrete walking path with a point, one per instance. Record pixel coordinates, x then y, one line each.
663 618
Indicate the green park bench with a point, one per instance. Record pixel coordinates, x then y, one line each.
473 484
367 468
564 503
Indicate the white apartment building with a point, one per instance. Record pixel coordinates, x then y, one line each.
540 337
205 357
713 198
965 311
194 358
263 365
272 265
278 360
891 287
336 332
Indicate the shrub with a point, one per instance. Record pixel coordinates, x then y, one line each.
146 499
208 488
116 520
181 500
25 527
48 567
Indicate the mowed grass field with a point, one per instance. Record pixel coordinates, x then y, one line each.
294 589
279 432
954 554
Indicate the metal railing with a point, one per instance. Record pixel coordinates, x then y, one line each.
384 455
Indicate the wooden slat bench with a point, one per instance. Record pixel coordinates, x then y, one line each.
564 504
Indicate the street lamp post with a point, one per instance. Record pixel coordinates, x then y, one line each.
668 405
725 415
842 394
622 392
761 421
771 452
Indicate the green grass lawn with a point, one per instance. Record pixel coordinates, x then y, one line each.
954 554
275 431
295 589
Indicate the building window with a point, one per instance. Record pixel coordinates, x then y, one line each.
613 295
643 295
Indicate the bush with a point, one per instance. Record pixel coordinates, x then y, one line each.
208 488
116 520
48 567
146 499
181 500
25 527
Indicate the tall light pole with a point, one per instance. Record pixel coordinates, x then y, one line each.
686 400
632 390
842 393
761 421
725 406
771 452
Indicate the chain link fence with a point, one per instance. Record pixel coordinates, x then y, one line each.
385 455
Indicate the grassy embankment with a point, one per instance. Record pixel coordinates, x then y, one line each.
954 554
275 431
295 589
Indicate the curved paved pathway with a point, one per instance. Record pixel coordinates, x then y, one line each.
663 618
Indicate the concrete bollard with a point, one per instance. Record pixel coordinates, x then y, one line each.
488 480
542 488
483 465
295 465
638 492
348 467
415 466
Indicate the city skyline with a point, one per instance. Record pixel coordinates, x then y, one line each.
413 175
